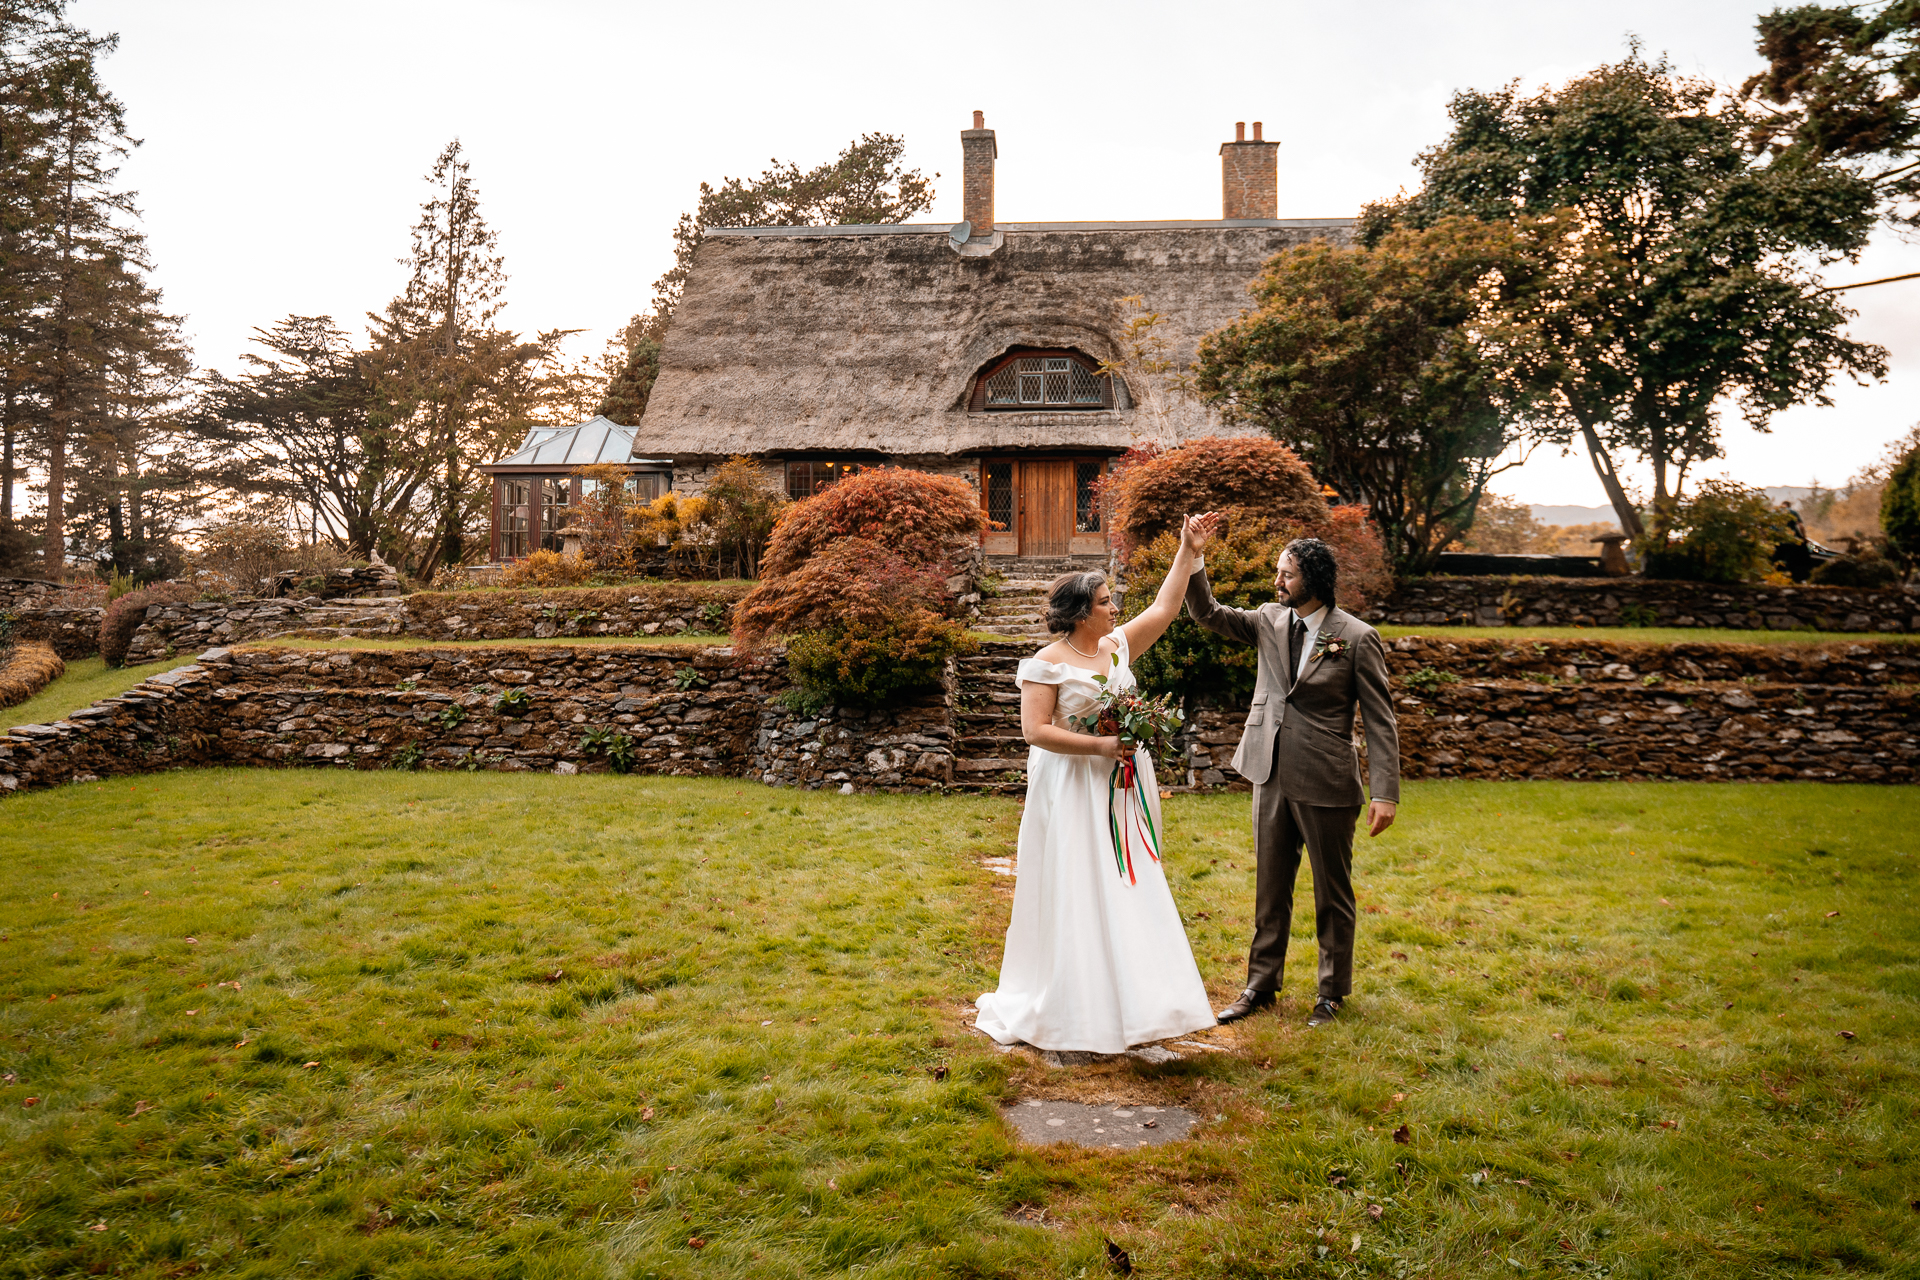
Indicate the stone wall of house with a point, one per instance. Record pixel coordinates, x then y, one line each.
1616 602
682 711
1567 709
668 609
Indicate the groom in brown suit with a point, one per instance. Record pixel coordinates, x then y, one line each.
1318 665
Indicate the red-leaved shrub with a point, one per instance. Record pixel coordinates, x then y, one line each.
855 579
924 518
1150 495
124 616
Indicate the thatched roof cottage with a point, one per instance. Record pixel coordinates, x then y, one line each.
969 349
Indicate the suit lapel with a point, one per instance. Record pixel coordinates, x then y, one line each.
1331 627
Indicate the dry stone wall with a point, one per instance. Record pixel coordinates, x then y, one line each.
1565 709
682 711
441 615
1623 602
1467 709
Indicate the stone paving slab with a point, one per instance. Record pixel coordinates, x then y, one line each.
1046 1122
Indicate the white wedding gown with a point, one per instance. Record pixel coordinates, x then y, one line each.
1093 962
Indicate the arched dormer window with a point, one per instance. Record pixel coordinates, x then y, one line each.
1030 379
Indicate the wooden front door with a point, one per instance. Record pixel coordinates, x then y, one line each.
1046 508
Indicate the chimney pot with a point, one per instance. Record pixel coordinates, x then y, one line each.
1256 131
1239 130
978 150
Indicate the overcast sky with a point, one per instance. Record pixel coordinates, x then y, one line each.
285 143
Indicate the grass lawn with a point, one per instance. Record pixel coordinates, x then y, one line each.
1651 635
302 1023
86 681
695 639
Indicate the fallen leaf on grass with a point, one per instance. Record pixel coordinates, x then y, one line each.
1399 1097
309 1066
832 1185
1558 1035
1669 1124
1403 1135
939 1072
30 1102
646 1113
98 1226
1118 1259
1832 914
1399 955
9 1077
192 1012
142 1107
1665 903
1374 1211
194 942
1566 1246
1846 1035
695 1242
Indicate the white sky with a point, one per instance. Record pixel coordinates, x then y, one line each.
285 142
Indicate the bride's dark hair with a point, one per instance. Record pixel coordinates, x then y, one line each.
1070 600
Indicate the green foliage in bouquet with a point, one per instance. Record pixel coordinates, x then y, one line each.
1128 714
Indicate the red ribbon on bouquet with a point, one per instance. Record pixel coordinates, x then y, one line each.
1128 816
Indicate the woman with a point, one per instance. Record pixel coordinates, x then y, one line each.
1094 961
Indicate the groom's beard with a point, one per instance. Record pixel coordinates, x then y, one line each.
1294 599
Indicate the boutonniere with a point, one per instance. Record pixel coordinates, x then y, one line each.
1328 647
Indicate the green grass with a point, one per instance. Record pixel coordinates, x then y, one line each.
565 1027
1651 635
696 639
86 681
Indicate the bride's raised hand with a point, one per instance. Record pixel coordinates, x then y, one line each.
1199 530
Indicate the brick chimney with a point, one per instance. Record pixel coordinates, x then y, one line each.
1249 185
977 154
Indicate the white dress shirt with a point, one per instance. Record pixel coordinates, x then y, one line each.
1312 621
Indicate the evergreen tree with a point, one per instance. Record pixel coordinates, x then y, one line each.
458 388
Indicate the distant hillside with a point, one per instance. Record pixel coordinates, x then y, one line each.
1592 515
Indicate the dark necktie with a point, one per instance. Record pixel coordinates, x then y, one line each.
1296 636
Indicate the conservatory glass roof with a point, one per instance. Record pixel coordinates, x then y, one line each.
596 440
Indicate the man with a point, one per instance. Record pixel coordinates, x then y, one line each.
1317 665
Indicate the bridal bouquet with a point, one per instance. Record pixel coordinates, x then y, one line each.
1138 721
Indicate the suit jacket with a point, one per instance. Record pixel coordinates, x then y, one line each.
1299 734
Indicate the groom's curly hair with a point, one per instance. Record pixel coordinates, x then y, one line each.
1315 561
1070 599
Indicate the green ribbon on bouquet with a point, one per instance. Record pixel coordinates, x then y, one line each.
1134 815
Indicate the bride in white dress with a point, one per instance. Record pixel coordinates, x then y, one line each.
1093 961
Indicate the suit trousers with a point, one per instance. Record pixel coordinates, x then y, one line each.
1280 827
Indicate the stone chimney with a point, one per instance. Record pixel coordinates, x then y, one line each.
977 154
1249 185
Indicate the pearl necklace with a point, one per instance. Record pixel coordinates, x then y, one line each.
1082 652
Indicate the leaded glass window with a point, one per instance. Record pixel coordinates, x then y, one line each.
1000 495
1086 496
1043 382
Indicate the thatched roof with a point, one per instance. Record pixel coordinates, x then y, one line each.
867 339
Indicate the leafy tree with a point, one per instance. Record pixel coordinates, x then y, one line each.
865 183
1840 86
1367 361
742 508
1900 507
1503 527
1683 274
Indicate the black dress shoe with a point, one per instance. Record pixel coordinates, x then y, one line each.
1249 1001
1324 1011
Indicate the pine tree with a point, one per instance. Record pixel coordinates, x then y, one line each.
456 388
